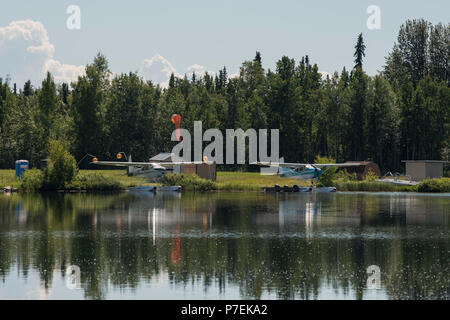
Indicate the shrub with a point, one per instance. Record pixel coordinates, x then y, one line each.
434 185
61 167
344 176
371 176
32 180
372 186
329 174
188 182
94 182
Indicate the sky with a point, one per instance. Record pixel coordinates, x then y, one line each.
156 38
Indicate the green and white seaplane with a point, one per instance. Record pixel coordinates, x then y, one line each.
303 171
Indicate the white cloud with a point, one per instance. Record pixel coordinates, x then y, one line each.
26 53
234 75
158 69
199 71
325 75
63 72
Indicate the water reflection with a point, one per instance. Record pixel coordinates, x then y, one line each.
225 245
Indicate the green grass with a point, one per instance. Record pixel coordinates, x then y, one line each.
229 181
121 177
8 178
247 181
94 182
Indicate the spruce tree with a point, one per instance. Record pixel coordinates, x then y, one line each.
360 49
27 89
172 81
257 58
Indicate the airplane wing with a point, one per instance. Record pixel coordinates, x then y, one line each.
333 164
171 164
144 164
300 165
122 164
279 164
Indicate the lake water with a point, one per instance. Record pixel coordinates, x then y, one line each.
225 246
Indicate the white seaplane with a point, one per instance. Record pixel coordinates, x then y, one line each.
151 170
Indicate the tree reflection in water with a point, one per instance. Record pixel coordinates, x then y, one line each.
267 245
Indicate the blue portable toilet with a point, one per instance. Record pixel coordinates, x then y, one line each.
21 167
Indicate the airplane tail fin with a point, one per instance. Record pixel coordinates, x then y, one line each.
282 171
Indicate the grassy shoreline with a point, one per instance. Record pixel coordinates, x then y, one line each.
373 186
117 180
86 181
253 181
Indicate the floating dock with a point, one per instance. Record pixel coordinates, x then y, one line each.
399 182
8 190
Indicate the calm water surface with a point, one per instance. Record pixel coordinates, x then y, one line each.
225 246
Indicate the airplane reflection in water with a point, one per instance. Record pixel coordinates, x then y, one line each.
175 215
164 215
293 211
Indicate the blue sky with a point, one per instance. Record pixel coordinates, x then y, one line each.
199 35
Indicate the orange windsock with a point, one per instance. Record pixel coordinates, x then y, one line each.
176 120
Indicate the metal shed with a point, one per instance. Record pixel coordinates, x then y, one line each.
361 168
424 169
